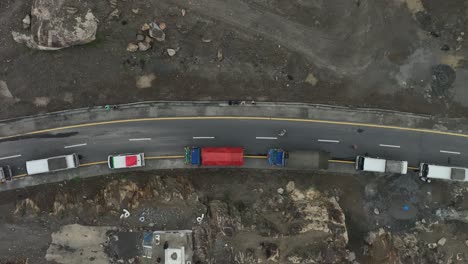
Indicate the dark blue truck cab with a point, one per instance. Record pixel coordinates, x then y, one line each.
193 156
277 157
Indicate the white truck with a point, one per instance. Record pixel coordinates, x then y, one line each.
123 161
52 164
364 163
429 171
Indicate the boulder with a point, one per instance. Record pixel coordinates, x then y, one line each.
442 241
143 46
26 21
54 27
156 32
132 47
432 245
290 187
171 52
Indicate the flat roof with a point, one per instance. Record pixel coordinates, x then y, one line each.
373 164
439 172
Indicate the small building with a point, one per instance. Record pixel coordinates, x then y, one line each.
168 247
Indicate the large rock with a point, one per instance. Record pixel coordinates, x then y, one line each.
57 24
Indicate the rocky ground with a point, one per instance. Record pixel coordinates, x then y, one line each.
249 217
406 55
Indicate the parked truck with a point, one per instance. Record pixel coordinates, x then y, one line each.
214 156
52 164
364 163
429 171
303 159
126 161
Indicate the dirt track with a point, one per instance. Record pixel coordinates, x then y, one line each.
359 53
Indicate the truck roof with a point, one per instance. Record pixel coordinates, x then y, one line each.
37 166
447 173
439 172
276 157
374 164
195 157
126 161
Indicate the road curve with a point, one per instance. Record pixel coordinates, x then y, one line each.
168 136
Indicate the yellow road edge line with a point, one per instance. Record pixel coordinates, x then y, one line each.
20 176
180 157
342 161
164 157
255 157
239 118
93 163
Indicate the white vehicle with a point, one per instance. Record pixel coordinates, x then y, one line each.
381 165
122 161
58 163
429 171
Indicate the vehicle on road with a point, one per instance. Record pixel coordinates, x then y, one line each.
214 156
123 161
303 159
364 163
429 171
52 164
5 173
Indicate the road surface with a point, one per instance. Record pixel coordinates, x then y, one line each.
169 137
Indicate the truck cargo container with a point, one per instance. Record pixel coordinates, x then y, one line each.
364 163
214 156
301 159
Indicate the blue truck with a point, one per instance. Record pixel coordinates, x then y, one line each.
277 157
301 159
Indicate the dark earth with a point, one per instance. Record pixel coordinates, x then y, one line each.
379 231
404 55
407 55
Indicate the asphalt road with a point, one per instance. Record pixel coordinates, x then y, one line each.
169 137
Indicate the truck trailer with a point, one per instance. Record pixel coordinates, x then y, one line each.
214 156
301 159
429 171
364 163
52 164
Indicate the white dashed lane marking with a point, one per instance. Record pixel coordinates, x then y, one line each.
328 140
450 152
389 146
11 157
77 145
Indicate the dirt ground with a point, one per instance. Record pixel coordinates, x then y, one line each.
319 218
400 54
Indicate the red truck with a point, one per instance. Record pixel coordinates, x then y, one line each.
214 156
